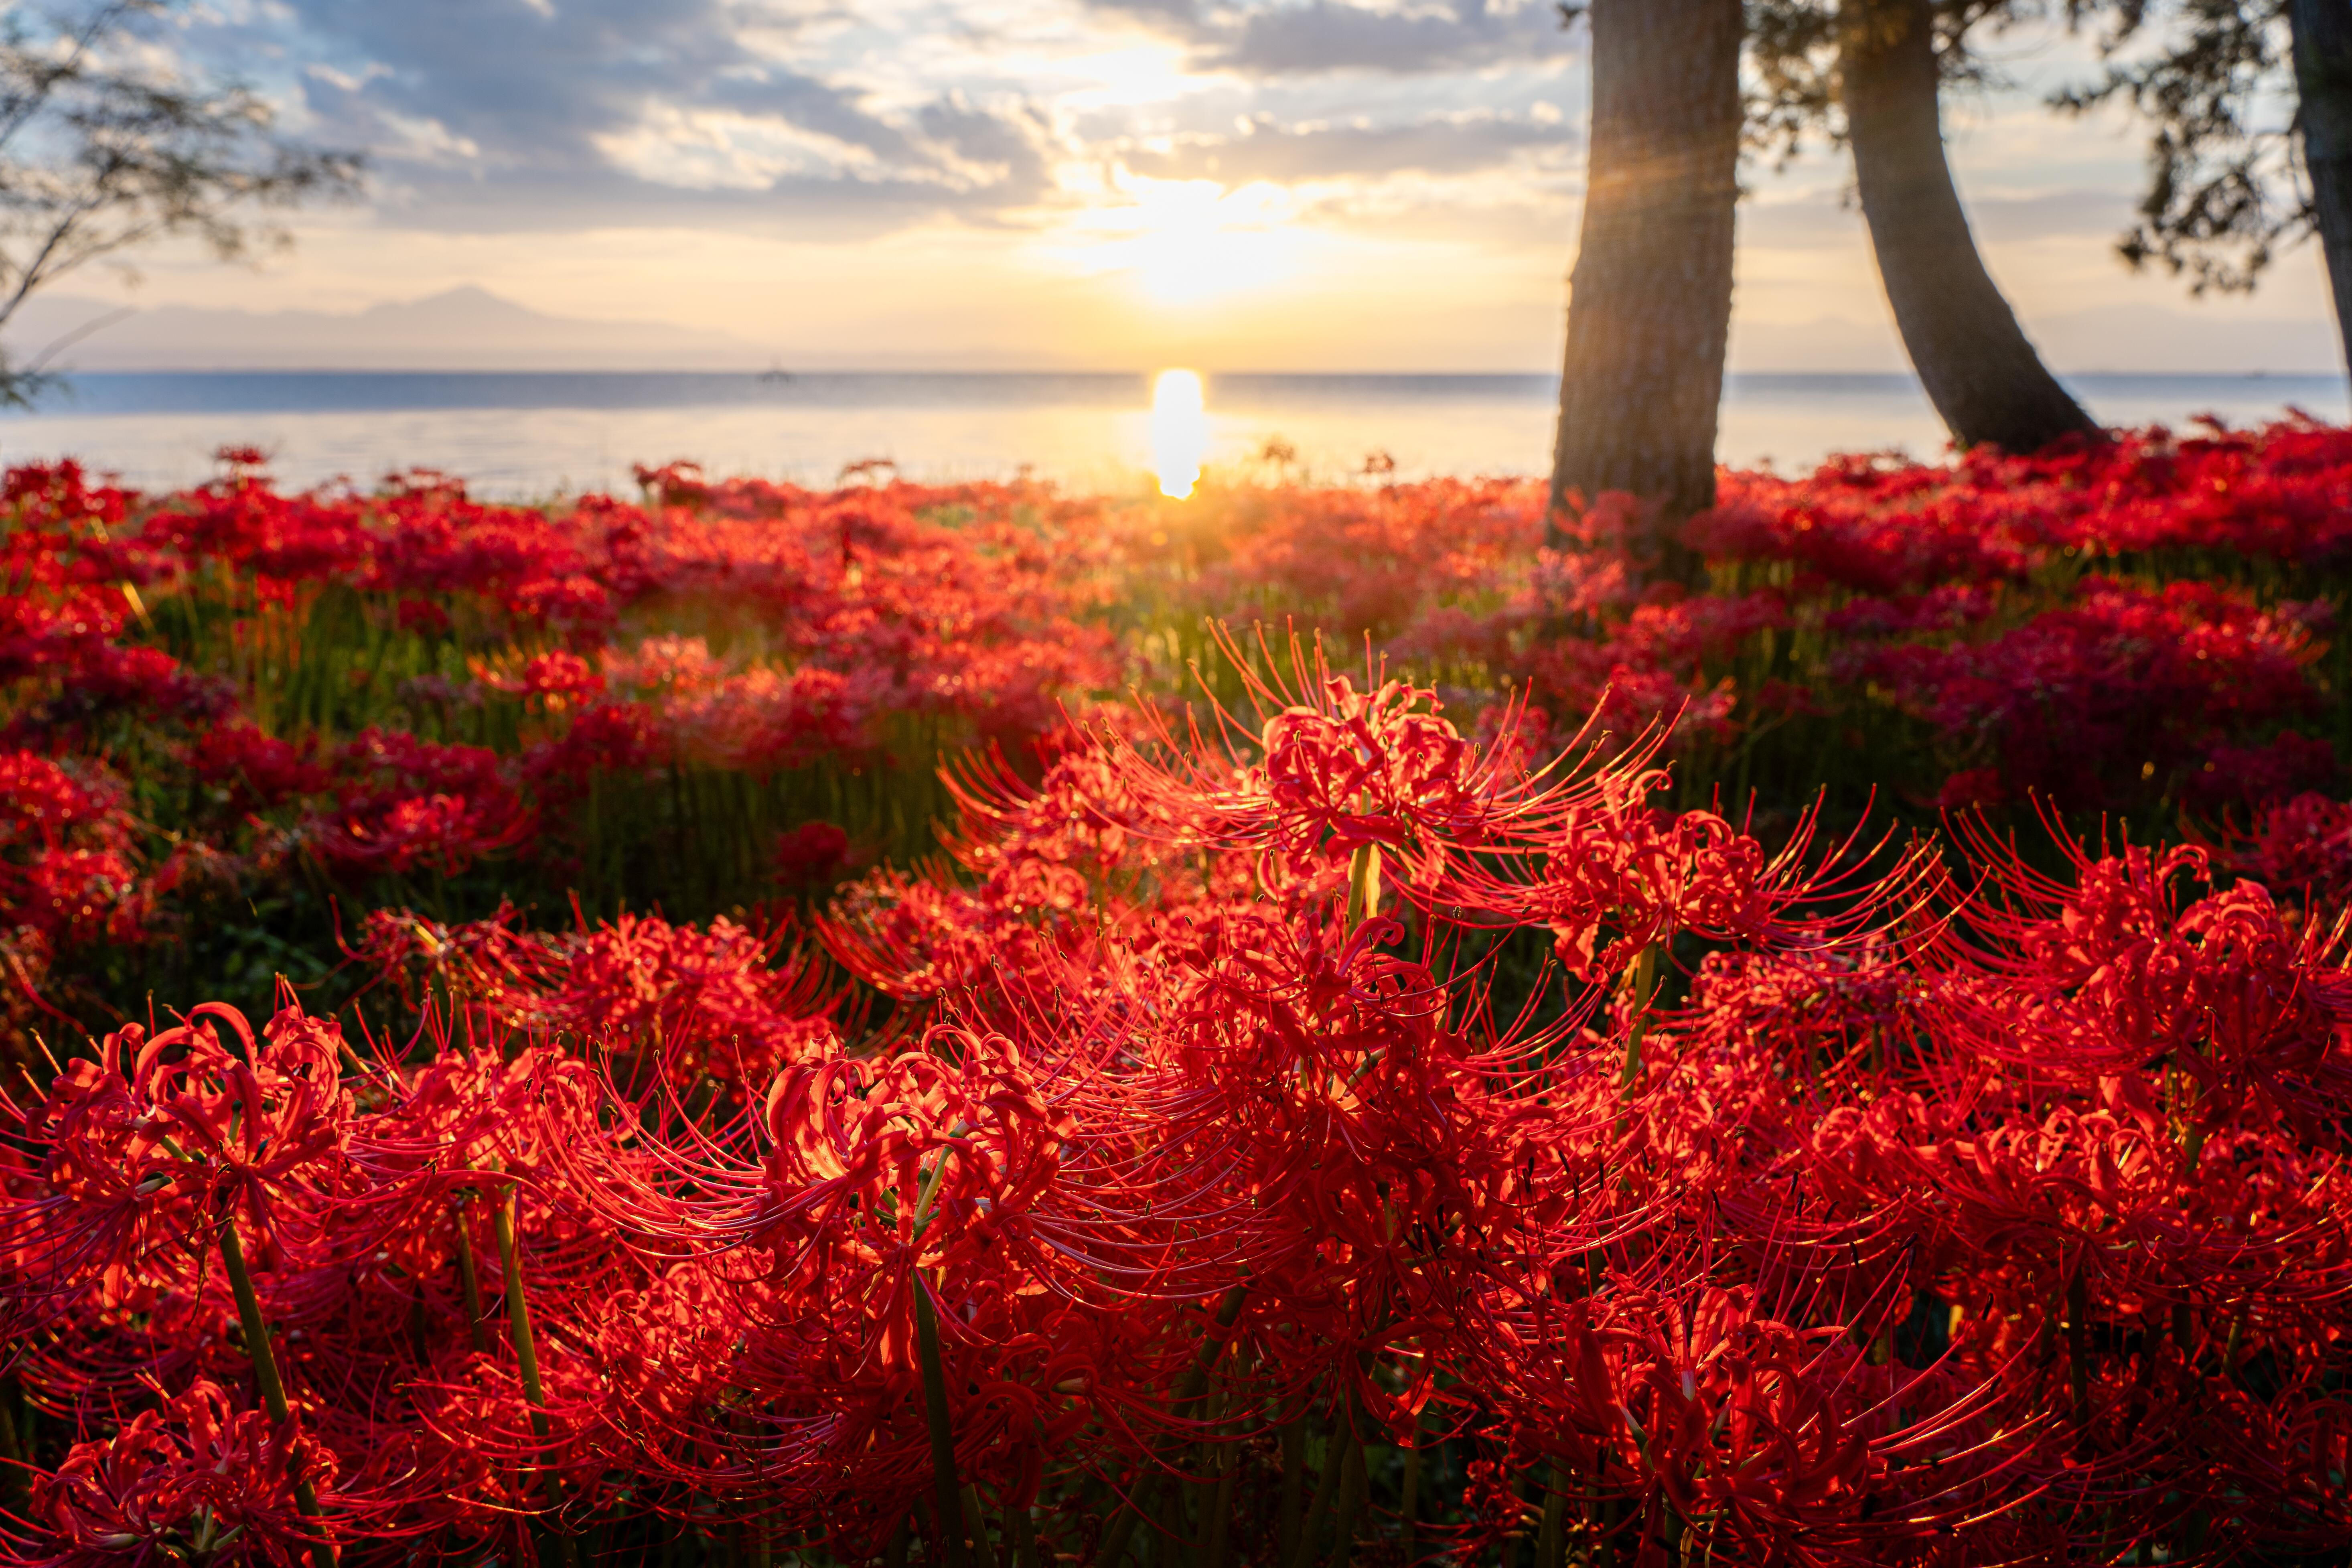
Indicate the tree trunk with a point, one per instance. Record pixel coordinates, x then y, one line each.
2322 31
1650 301
1972 357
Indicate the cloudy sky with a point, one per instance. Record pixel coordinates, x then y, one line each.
1234 184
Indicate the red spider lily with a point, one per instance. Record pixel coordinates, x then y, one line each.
551 680
2121 969
420 804
1219 1095
2118 679
167 1135
196 1481
811 855
711 1003
2300 849
256 772
1770 1441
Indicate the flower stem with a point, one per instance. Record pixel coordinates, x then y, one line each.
975 1524
470 1281
1294 1467
1215 1462
1188 1393
1409 1508
526 1349
1645 984
1024 1532
1551 1543
949 1493
1352 1486
1327 1484
12 1456
2078 1348
1363 885
264 1378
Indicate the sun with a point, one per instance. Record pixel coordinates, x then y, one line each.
1180 431
1192 242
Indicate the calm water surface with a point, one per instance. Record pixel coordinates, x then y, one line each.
536 434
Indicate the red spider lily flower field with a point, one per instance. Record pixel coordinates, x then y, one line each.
982 1027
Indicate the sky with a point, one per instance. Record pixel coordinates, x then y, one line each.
1236 185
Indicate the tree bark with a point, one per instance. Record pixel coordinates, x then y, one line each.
1650 300
1972 357
2322 33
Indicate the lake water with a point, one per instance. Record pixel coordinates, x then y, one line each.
527 435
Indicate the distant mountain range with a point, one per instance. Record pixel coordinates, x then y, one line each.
2137 338
471 329
459 328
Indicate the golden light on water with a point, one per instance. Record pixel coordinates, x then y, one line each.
1180 431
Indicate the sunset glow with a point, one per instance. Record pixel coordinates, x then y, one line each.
1190 242
1180 431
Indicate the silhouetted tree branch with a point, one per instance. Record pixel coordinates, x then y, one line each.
2250 148
103 151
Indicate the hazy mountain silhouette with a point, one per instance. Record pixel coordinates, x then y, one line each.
459 328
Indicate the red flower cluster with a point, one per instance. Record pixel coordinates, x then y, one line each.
1312 1087
1807 1216
417 682
67 874
1889 526
1872 590
711 1004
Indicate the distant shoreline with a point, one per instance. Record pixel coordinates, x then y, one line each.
107 393
533 433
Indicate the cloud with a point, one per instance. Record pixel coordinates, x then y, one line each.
1824 219
822 119
1450 145
515 113
1327 35
1321 37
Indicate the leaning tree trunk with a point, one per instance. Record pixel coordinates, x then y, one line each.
2322 31
1972 357
1650 301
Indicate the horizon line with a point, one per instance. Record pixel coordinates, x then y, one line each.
789 373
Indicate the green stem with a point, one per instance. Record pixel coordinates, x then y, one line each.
1294 1469
1409 1508
1024 1532
526 1349
1645 986
931 1182
12 1456
1352 1486
258 1351
947 1492
1326 1483
1220 1510
2078 1346
471 1283
975 1524
1207 1464
1188 1393
1363 885
1551 1543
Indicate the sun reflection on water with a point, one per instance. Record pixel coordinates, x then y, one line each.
1180 431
